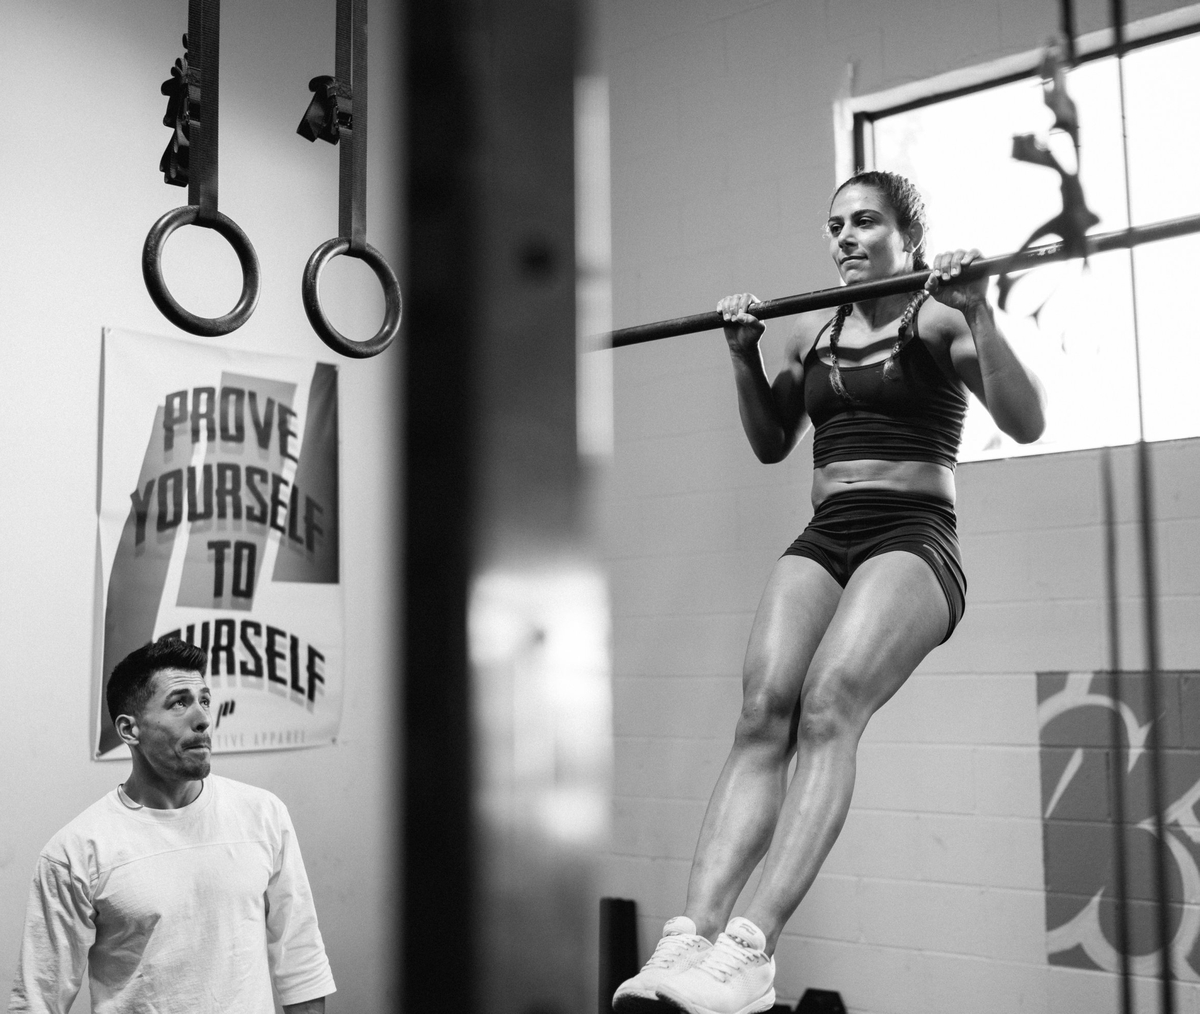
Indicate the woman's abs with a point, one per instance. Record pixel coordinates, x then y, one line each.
870 473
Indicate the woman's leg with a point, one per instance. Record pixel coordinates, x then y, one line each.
796 607
891 615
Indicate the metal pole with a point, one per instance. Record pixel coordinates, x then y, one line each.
1154 743
1122 239
507 731
1116 731
1066 21
440 883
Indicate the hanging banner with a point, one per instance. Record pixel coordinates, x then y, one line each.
218 524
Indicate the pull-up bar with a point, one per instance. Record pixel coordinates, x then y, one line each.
1122 239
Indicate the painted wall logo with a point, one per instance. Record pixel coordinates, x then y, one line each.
219 525
1078 764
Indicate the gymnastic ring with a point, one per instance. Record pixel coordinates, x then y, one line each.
393 306
156 285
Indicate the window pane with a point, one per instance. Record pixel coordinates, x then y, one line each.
959 155
1079 347
1170 339
1071 324
1095 89
1163 114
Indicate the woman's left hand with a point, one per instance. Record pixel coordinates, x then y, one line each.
960 295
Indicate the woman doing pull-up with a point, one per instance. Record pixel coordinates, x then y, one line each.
868 589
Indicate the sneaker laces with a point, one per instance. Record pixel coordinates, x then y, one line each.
726 958
670 948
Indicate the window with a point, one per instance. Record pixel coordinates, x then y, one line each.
1074 326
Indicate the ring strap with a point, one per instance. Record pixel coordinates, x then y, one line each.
204 90
350 68
191 158
338 113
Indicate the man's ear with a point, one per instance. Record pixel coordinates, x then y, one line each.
127 729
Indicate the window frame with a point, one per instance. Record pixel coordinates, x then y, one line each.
855 116
852 114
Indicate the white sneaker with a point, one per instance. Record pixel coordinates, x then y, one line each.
679 949
734 977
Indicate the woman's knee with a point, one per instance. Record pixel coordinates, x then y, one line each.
766 716
831 709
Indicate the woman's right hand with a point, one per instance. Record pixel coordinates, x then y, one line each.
742 330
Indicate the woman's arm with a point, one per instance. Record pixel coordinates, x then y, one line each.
984 359
772 413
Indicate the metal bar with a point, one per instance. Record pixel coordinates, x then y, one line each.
1154 743
438 879
1122 239
508 603
1166 972
1067 25
1116 731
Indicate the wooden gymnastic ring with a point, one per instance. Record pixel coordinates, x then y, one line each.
393 306
156 285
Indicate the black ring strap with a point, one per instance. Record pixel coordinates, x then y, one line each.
191 159
338 112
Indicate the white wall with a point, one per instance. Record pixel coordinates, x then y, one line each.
80 190
933 899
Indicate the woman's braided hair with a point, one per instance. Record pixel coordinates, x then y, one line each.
909 209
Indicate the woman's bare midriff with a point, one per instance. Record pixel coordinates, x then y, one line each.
924 477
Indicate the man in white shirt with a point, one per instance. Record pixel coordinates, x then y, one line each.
179 891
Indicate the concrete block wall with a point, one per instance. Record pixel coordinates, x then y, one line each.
933 900
80 192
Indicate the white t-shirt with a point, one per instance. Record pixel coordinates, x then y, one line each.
192 910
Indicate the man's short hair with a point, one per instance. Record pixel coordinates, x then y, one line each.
131 684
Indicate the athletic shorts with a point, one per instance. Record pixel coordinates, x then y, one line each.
849 528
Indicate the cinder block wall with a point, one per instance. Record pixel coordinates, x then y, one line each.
933 899
80 192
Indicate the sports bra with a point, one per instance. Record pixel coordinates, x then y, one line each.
916 414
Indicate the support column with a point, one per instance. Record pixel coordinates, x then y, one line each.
507 720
